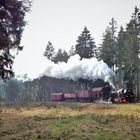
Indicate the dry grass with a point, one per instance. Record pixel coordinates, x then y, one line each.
73 121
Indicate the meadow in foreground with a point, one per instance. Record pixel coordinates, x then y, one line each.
71 121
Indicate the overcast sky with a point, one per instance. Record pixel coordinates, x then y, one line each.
61 22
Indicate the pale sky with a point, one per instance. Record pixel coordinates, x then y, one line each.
61 22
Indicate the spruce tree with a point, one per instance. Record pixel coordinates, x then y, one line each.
85 46
61 56
72 51
108 46
65 56
132 48
50 51
12 23
120 56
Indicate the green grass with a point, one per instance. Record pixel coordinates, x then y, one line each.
83 127
71 121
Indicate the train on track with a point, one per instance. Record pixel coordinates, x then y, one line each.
96 94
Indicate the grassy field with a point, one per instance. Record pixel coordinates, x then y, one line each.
71 121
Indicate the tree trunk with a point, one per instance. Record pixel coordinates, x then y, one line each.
138 84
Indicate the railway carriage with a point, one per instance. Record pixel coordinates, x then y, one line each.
95 94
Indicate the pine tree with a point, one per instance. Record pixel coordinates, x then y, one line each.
50 51
120 56
65 56
106 50
12 23
108 46
132 48
85 46
120 45
61 56
72 51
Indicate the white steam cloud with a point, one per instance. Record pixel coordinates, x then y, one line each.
85 68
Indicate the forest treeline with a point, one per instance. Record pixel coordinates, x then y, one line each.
119 49
37 90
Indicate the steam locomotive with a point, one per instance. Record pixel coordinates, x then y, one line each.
96 94
124 96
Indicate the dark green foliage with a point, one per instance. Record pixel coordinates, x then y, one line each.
61 56
12 13
85 46
12 89
50 51
108 46
106 50
72 51
131 52
120 50
120 46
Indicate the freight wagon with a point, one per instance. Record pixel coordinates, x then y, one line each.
95 94
100 93
70 97
82 95
57 96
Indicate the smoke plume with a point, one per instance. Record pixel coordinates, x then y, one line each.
75 68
